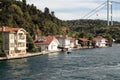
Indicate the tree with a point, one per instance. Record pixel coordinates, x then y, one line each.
46 11
19 14
30 45
16 9
53 13
24 2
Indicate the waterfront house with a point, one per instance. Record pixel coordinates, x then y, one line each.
74 43
99 41
64 41
14 41
84 42
47 43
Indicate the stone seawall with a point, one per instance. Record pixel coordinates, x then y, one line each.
27 55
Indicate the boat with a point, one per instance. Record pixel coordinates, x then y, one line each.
69 51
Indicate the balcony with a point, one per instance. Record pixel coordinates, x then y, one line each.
21 38
21 46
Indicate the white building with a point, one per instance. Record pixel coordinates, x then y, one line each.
14 41
100 41
74 43
47 43
64 41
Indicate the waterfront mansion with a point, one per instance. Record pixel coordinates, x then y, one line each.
14 41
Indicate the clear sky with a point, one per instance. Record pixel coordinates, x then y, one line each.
76 9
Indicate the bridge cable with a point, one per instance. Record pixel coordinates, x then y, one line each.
96 11
93 10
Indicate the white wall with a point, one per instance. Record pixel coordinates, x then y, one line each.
12 41
101 43
64 43
53 45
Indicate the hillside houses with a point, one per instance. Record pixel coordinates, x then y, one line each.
14 41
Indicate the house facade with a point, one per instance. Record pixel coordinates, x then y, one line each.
99 41
47 43
84 42
74 43
14 41
64 41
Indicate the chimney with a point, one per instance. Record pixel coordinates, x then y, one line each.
60 35
3 28
36 36
66 35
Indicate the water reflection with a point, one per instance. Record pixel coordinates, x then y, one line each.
83 64
12 69
56 56
52 55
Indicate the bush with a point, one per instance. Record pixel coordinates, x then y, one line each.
2 54
33 50
117 41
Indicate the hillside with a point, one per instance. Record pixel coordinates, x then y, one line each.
17 13
91 28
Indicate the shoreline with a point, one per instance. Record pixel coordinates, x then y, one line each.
36 54
27 55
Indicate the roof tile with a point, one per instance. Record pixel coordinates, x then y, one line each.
46 40
9 29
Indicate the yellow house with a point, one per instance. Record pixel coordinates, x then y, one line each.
14 41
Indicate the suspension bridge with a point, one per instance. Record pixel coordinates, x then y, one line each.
111 8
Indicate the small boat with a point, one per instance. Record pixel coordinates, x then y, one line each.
69 51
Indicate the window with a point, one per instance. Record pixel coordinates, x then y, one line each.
21 44
12 36
41 40
21 36
11 44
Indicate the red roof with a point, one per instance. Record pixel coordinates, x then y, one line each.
62 37
98 38
44 40
84 39
9 29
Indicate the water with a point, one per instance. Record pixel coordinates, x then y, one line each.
83 64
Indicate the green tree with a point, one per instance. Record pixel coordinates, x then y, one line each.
46 11
53 13
24 2
30 45
14 8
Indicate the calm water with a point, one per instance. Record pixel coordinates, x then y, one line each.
84 64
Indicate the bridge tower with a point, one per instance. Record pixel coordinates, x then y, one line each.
109 13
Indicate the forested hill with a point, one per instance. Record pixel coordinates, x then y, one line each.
90 28
16 13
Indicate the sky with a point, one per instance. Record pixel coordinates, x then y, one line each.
77 9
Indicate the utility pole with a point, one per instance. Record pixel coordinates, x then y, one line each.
3 39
